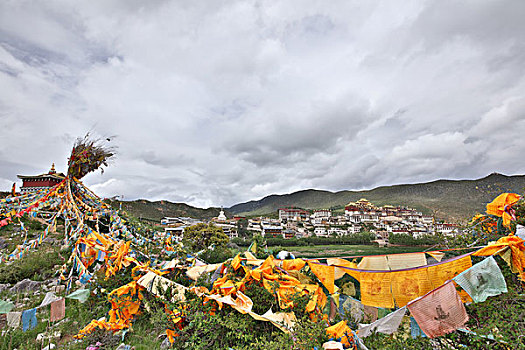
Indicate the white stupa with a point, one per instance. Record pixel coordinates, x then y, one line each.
221 216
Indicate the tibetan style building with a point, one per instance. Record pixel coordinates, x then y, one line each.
42 181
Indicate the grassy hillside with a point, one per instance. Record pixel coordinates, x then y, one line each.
454 200
155 211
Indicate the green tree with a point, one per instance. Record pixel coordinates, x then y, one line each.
201 236
242 226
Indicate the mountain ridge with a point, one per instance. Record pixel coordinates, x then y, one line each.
156 210
455 200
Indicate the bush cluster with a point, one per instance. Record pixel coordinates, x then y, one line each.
353 239
406 239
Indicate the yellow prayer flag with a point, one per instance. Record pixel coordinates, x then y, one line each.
375 289
325 274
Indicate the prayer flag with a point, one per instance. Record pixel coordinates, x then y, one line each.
6 306
482 280
81 295
13 319
415 330
439 312
325 274
387 325
58 310
48 299
29 319
374 263
409 285
406 261
376 289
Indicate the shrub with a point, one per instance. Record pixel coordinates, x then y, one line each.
37 266
217 255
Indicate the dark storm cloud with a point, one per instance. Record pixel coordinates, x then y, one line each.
229 101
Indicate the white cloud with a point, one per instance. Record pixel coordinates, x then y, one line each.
223 102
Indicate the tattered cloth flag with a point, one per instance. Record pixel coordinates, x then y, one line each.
482 280
387 325
6 306
406 261
374 263
415 330
29 319
440 311
58 310
341 332
13 319
48 299
325 274
352 306
81 295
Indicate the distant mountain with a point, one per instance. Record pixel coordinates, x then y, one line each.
454 200
155 211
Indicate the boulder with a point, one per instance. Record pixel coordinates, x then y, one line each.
51 240
59 289
25 285
4 286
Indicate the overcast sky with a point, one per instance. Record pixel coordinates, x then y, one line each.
219 102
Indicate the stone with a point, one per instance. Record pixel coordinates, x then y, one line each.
25 285
59 289
50 240
165 344
52 283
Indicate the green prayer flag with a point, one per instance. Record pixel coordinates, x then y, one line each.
482 280
81 295
6 306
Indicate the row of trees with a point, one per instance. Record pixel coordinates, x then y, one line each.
210 237
406 239
358 238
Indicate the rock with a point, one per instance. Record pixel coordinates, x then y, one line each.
59 289
123 346
4 286
51 240
52 283
232 245
165 344
25 285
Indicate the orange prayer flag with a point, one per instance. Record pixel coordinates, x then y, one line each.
295 264
236 262
325 274
439 274
517 249
341 331
339 273
499 205
409 285
376 290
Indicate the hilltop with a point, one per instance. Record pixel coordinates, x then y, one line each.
155 211
454 200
